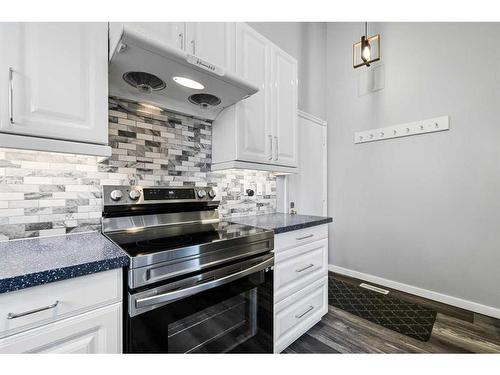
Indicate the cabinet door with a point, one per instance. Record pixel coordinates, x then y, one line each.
253 63
212 41
55 80
171 33
284 108
98 331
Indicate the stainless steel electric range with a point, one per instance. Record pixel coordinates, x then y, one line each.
195 284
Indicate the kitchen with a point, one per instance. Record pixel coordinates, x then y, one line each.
164 186
248 187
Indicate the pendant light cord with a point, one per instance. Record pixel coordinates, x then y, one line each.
366 29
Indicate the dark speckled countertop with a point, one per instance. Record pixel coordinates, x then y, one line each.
281 223
30 262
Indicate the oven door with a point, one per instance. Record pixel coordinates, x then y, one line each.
229 309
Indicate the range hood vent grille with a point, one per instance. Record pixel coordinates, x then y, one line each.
205 100
144 82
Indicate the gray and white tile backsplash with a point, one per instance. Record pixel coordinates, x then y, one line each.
45 193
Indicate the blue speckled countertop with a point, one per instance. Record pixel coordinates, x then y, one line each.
30 262
281 223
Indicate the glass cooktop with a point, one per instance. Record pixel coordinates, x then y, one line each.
144 241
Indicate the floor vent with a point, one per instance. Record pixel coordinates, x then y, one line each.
374 288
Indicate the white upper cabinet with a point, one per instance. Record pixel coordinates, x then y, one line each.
55 81
284 107
212 41
261 129
171 33
253 114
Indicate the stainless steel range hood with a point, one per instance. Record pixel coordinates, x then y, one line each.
143 68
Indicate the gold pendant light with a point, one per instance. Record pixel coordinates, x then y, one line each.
366 51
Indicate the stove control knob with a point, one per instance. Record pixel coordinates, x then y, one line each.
134 194
211 193
201 194
116 195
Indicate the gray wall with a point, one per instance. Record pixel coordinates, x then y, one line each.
306 42
422 210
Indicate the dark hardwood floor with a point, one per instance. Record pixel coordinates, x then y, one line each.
455 331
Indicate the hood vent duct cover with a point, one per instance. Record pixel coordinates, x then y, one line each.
144 82
204 100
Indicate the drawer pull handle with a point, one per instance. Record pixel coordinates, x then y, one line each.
40 309
303 238
305 268
310 308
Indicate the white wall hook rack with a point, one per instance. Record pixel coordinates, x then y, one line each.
431 125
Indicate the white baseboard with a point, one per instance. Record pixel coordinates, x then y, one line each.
439 297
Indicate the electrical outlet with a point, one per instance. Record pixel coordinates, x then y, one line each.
268 189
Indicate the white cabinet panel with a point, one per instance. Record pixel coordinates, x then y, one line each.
253 114
97 331
58 83
296 314
212 41
73 296
284 73
171 33
298 267
299 237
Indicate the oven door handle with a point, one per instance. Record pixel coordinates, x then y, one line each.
182 293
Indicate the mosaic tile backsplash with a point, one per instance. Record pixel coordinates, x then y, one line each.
45 193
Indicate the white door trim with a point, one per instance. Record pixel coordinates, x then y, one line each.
439 297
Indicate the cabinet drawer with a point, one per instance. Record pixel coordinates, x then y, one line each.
299 237
97 331
73 296
296 314
297 267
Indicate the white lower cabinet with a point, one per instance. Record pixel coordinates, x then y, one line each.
79 315
300 283
98 331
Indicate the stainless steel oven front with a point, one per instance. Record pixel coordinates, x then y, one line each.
225 310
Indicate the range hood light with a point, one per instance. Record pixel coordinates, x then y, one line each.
151 107
186 82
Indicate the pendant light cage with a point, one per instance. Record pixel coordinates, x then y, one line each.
371 45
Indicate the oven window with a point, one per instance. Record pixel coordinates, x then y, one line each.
236 317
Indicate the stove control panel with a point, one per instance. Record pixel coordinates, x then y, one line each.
126 195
